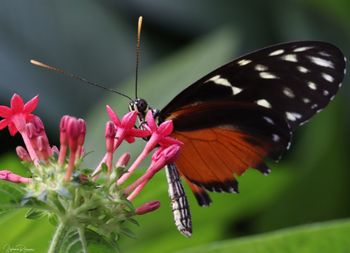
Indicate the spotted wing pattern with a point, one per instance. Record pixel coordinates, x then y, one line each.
295 79
246 111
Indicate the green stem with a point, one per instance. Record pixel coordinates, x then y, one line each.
83 239
58 238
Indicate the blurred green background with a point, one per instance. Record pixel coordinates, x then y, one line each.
182 41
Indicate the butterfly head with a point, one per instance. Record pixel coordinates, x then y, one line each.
141 107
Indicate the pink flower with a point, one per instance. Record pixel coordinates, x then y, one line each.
148 207
14 178
16 116
35 131
75 130
125 131
63 139
160 159
160 134
126 127
110 135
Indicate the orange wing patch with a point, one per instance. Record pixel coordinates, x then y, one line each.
212 157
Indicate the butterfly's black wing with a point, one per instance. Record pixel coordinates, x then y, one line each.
246 110
295 79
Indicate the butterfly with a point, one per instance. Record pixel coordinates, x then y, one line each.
243 113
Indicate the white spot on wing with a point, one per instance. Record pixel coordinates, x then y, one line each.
219 80
290 57
267 75
325 92
288 92
328 77
321 62
244 62
314 106
301 49
275 137
293 116
222 81
277 52
306 100
260 67
268 120
324 54
312 85
263 103
303 69
236 90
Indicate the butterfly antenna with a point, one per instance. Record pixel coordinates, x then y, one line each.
45 66
139 26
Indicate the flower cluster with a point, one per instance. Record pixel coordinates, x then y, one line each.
85 199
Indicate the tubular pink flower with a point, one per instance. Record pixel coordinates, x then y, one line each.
160 158
74 130
125 131
159 135
16 116
110 135
14 178
38 144
63 139
148 207
40 141
81 137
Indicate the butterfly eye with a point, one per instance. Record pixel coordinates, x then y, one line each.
142 106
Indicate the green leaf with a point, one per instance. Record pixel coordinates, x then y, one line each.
319 237
127 232
73 242
34 214
53 219
10 195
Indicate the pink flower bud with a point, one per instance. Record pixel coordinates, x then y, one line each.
42 143
113 116
73 128
164 156
148 207
23 154
31 131
39 125
14 178
129 120
123 160
82 129
166 128
110 135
